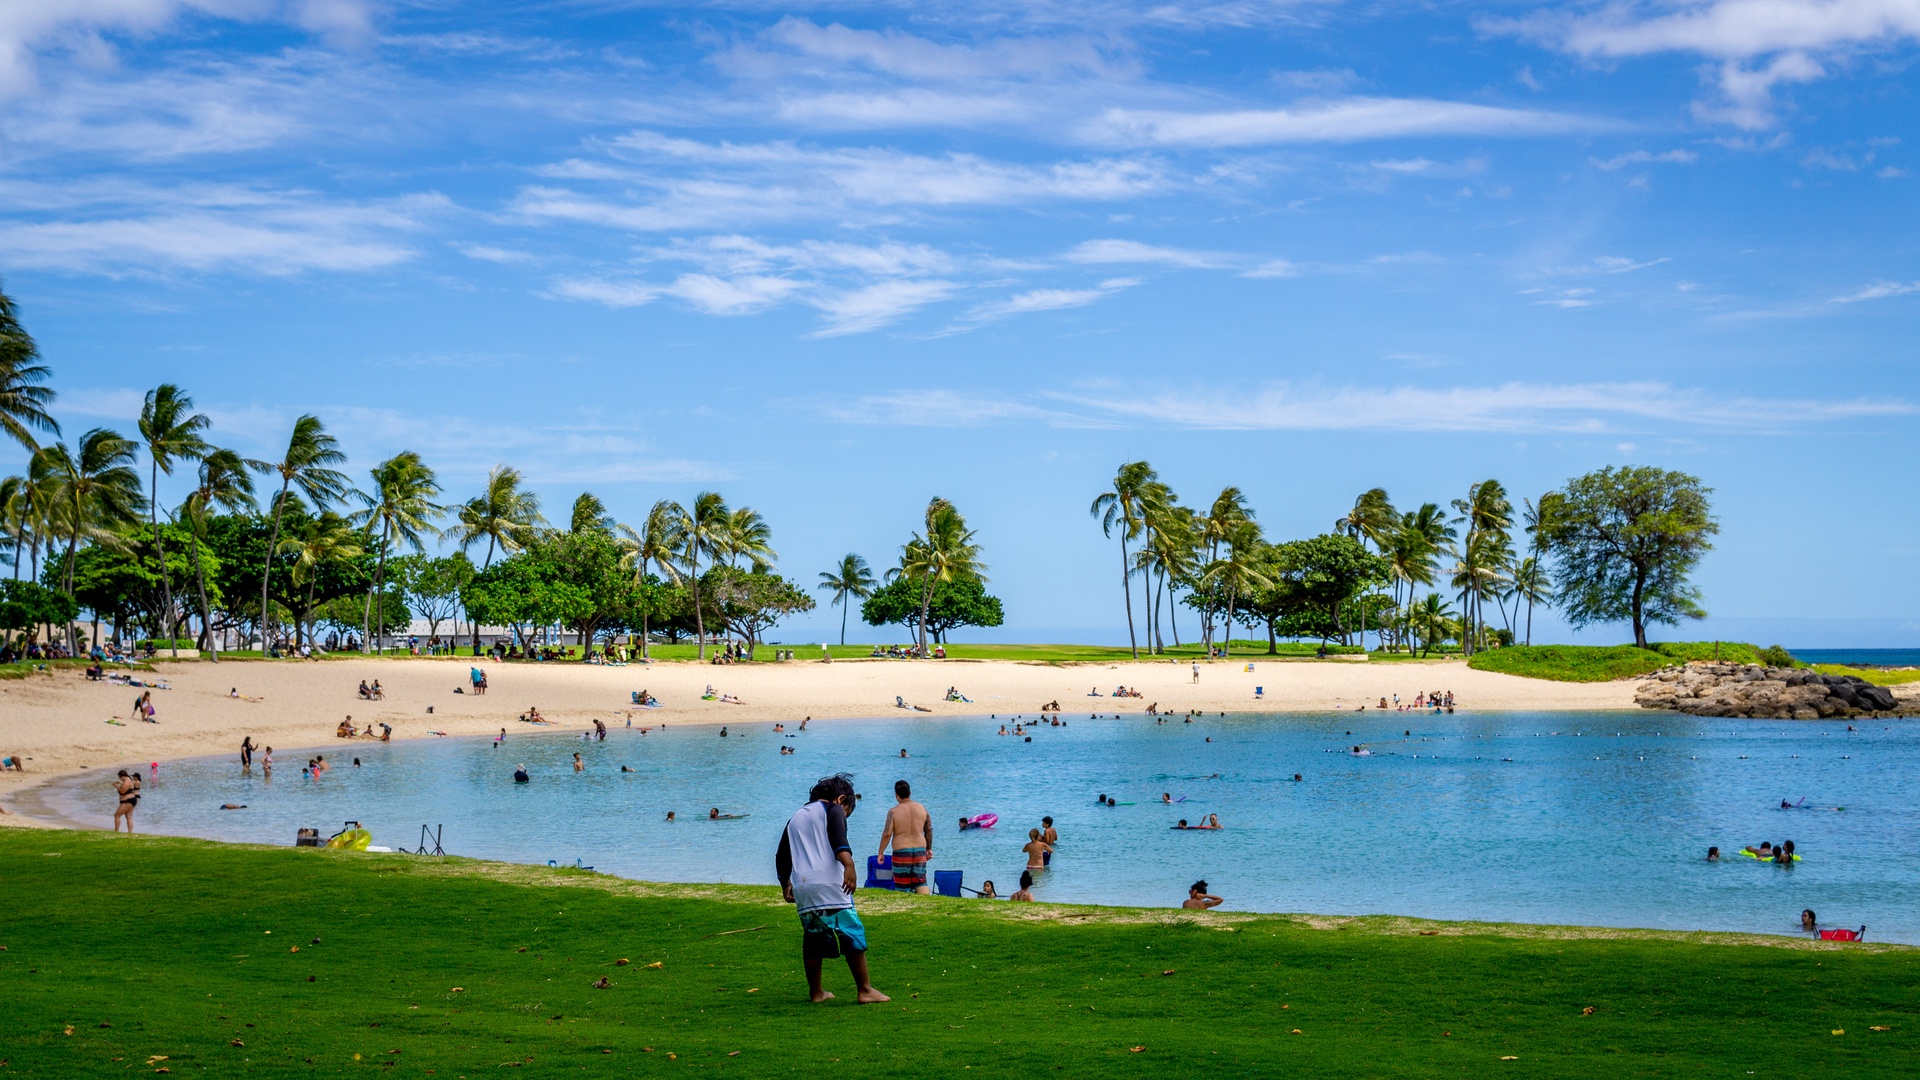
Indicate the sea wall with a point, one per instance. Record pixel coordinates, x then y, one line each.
1749 690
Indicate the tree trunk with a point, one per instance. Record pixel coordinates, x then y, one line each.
266 572
206 612
1126 588
699 620
846 601
160 546
926 601
476 622
1639 597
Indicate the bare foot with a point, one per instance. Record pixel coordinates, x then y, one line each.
870 996
822 996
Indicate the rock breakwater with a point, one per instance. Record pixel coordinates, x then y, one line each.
1765 693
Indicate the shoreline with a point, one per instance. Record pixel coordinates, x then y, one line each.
59 722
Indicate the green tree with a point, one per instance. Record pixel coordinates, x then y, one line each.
1372 520
316 544
749 536
1228 514
1239 570
946 553
852 580
27 604
97 492
1125 507
705 530
23 401
171 431
1624 541
590 515
504 515
1485 553
578 580
749 602
656 543
1309 583
432 586
1172 553
225 482
952 604
307 465
401 506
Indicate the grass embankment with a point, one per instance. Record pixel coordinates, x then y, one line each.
1084 654
1876 676
1605 663
158 954
22 669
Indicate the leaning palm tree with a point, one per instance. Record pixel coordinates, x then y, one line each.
1431 621
226 482
502 514
1171 551
97 491
1123 507
656 542
23 401
1488 515
1532 584
14 528
324 539
852 580
946 553
401 506
705 530
590 515
308 465
31 513
171 431
1228 513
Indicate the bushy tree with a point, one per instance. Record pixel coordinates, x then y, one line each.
951 604
1624 540
747 602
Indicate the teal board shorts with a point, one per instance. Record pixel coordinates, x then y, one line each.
827 935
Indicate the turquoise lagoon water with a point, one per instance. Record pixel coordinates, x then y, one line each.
1598 818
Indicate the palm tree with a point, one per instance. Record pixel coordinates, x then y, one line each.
706 530
226 481
1372 520
171 430
503 514
307 465
97 491
1431 620
1172 551
658 542
749 534
30 514
325 538
1487 515
1238 570
590 515
1228 513
23 401
1531 584
402 505
853 580
1123 506
946 553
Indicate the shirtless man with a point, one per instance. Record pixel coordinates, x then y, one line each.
1199 899
907 822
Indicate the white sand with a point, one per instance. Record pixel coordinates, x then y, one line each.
58 722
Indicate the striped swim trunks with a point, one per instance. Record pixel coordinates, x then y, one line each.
909 867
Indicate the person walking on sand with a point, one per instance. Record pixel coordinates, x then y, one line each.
128 792
815 867
908 822
1196 671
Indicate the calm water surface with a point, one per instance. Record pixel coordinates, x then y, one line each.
1598 818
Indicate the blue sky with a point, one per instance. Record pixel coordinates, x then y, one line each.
834 259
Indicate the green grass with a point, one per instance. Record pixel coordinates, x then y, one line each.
119 951
1571 663
1052 654
1876 676
22 669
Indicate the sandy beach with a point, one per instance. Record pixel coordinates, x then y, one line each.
59 723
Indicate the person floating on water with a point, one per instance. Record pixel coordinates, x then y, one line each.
815 866
1199 899
909 828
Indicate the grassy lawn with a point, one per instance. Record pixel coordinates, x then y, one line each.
21 669
1876 676
1571 663
137 956
1083 654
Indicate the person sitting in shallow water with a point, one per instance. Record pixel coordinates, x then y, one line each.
1026 887
520 774
986 891
1713 854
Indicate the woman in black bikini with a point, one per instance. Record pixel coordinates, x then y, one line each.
129 791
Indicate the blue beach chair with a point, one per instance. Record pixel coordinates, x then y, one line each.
879 872
946 882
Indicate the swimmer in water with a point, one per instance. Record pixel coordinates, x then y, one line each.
1167 797
1713 854
669 816
1199 899
520 774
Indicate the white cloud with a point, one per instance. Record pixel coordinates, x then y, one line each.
796 42
732 296
1759 44
1346 120
1511 407
934 408
1036 300
1645 157
859 310
135 230
1615 264
1099 252
1274 268
1879 291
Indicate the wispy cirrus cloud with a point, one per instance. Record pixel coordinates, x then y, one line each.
1356 119
1644 157
1879 291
